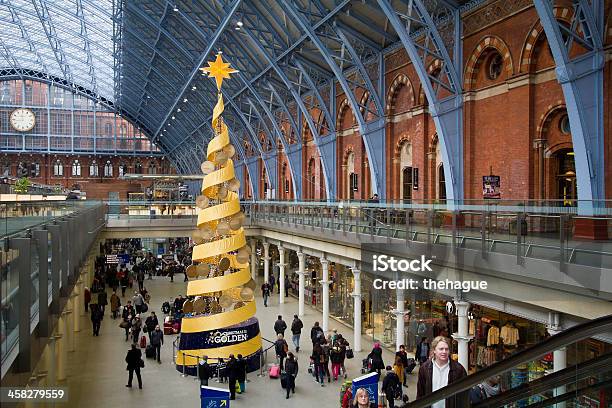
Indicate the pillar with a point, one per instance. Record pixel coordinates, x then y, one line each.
357 309
325 293
81 299
301 284
462 336
76 299
281 275
62 348
266 258
400 312
253 259
559 356
51 362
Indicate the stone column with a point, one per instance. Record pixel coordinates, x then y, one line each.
301 287
76 326
281 275
357 309
62 347
325 293
266 258
462 336
400 312
559 356
253 259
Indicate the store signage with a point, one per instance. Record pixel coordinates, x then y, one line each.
370 383
212 397
383 263
491 187
112 259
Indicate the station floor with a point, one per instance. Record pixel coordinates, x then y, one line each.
96 374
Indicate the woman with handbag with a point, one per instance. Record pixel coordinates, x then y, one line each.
134 364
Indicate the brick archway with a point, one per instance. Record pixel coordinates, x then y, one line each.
475 61
341 108
399 81
528 50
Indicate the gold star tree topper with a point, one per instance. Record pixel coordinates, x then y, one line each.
219 69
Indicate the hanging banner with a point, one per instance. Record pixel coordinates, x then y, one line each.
491 187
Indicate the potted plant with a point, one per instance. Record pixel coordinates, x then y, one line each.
22 185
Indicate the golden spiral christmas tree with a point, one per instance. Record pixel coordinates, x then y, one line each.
220 313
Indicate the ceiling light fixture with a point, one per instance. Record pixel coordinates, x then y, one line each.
193 88
239 23
185 100
178 110
173 118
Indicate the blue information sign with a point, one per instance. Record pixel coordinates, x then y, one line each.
212 397
370 383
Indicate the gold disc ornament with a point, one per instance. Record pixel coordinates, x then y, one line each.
192 271
223 228
202 202
251 284
242 257
220 158
196 236
246 294
224 264
202 270
222 193
188 306
234 185
199 305
207 167
206 233
225 301
229 150
235 222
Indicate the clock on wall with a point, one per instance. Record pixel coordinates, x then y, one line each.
23 120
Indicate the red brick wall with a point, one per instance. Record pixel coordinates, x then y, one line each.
95 187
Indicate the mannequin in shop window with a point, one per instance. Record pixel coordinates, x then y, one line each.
509 334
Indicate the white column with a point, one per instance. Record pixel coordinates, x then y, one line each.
253 259
400 312
325 292
76 298
559 356
281 275
266 258
357 309
51 358
301 287
62 347
462 336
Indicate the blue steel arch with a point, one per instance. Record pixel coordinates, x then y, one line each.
581 79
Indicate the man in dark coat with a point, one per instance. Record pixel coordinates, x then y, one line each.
96 318
233 370
316 333
133 360
439 372
280 326
242 371
296 331
157 340
291 371
204 371
151 323
389 386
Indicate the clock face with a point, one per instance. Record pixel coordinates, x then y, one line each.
23 120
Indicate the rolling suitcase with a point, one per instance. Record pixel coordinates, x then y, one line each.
150 352
274 371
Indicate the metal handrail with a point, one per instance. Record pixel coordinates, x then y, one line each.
556 342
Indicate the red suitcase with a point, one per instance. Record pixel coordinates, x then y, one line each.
168 329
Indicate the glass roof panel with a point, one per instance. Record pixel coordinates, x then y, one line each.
70 39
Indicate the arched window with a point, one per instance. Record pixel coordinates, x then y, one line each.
353 179
22 169
108 129
93 169
406 174
58 168
76 168
35 169
152 168
122 169
108 169
495 64
441 183
138 168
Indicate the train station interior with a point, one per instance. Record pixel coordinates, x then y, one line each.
340 203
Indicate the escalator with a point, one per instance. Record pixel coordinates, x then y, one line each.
585 383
